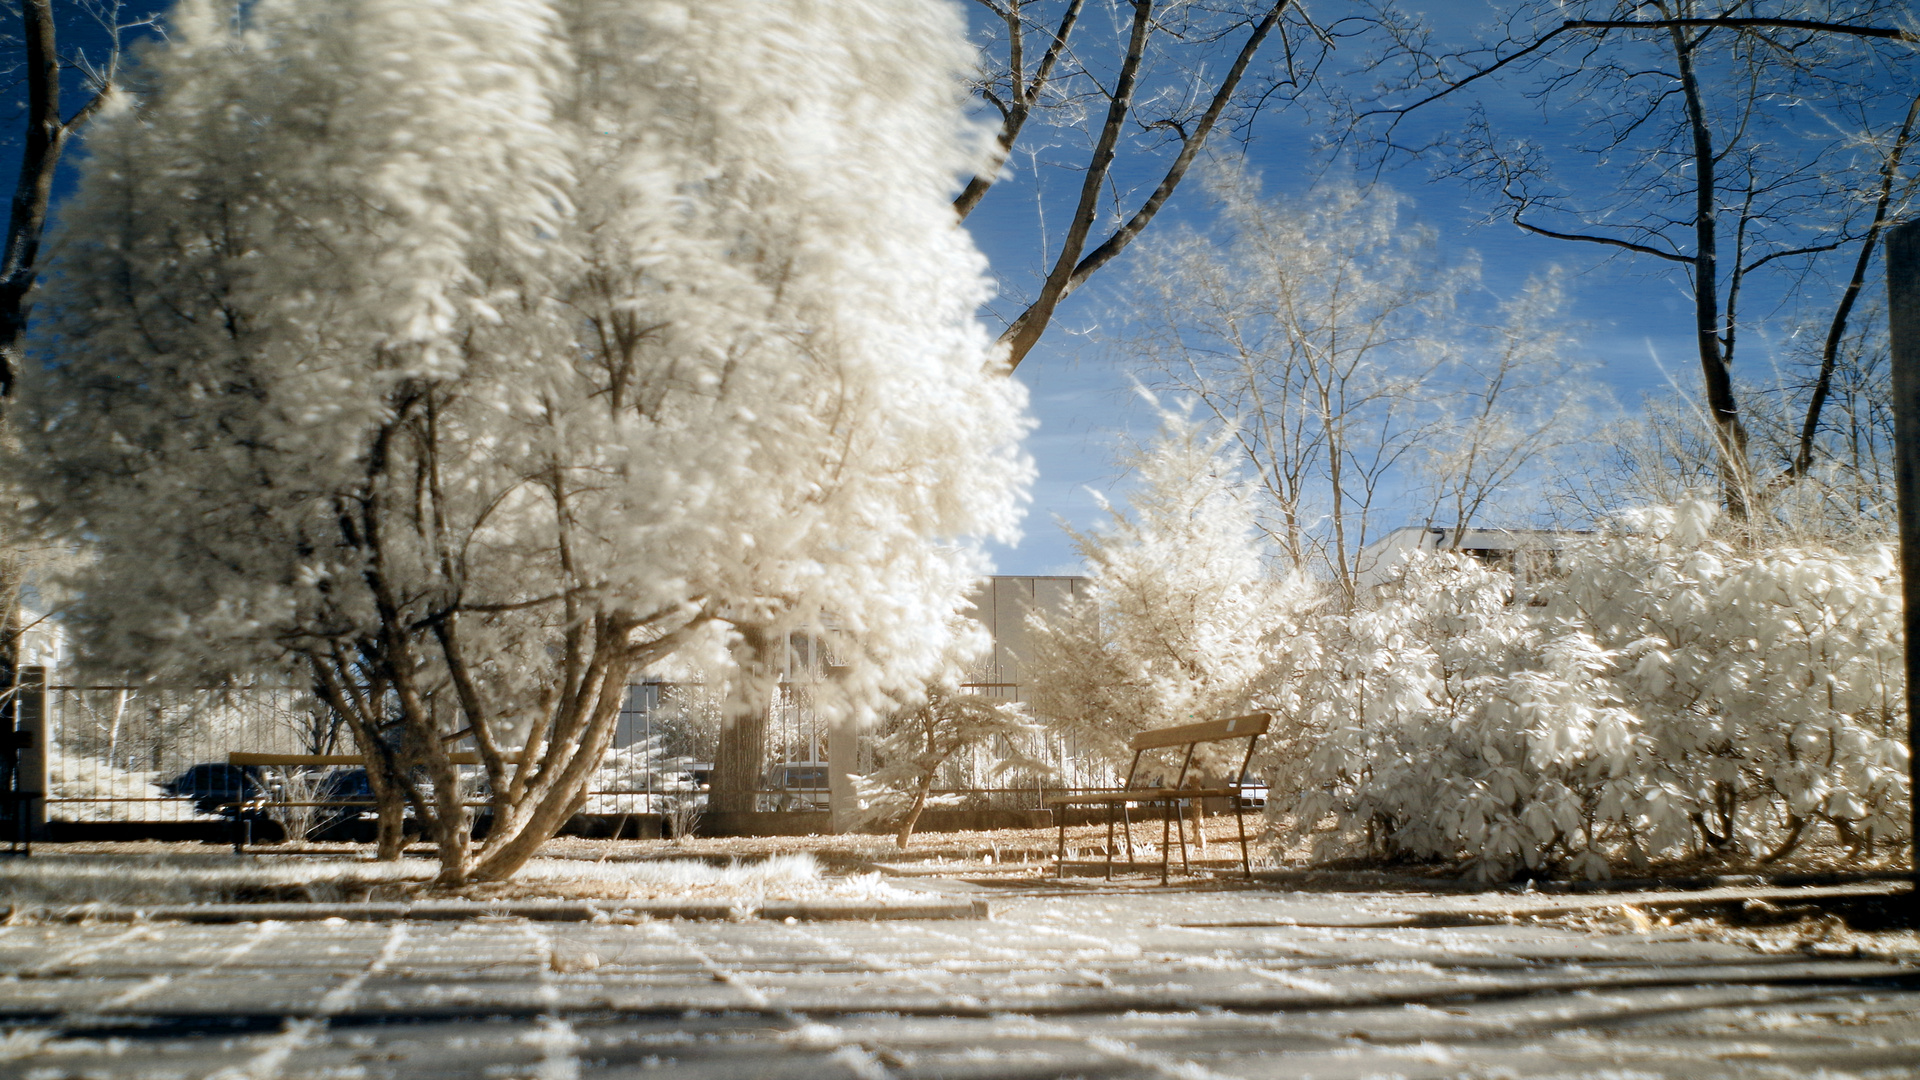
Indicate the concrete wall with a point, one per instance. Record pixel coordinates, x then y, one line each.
1002 605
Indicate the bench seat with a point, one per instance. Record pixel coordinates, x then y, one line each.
1142 795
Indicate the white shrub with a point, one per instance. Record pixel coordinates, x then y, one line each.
1666 694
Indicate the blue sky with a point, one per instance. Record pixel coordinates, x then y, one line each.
1634 315
1637 332
1637 329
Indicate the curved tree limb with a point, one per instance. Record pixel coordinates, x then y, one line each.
1837 330
1025 91
1070 270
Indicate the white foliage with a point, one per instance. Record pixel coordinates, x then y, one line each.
923 740
1666 693
106 791
578 327
1181 620
640 778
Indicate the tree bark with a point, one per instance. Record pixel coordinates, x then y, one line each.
912 818
44 140
1716 364
1070 269
1903 303
740 760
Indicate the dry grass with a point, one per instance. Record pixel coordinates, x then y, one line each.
659 869
148 877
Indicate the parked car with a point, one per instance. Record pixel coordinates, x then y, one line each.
701 774
217 787
349 786
798 785
1253 793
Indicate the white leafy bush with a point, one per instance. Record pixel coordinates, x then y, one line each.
1665 694
103 791
641 778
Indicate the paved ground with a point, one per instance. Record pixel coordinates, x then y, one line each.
1091 982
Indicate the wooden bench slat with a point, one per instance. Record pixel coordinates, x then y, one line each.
1142 795
1238 727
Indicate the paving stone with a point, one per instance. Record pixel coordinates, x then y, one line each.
1087 984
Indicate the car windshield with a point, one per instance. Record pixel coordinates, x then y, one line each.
806 778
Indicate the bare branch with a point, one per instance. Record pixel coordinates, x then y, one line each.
1190 146
1836 331
1070 271
1888 33
1608 240
1024 92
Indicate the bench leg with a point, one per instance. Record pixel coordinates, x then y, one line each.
1109 841
1166 837
1126 824
1240 819
1179 815
1060 860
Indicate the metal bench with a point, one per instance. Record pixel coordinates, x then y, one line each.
1249 727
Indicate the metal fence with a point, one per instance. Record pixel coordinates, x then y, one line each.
111 751
122 753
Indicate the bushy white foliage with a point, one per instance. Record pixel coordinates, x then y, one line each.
1664 693
106 792
640 779
1181 620
471 353
923 740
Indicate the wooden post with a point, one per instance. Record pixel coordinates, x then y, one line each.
843 758
1903 304
30 720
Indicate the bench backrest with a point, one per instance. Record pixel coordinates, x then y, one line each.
1249 727
1238 727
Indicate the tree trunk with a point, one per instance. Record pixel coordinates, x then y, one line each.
451 824
913 812
1716 361
10 780
740 762
573 756
1837 330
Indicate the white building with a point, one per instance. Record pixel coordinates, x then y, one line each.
1530 552
1002 605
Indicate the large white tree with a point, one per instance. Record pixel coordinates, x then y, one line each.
464 356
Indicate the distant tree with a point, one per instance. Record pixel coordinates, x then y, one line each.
926 738
1325 333
1182 616
1509 407
1725 143
468 357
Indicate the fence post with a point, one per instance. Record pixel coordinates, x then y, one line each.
1903 310
30 721
843 757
